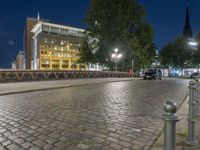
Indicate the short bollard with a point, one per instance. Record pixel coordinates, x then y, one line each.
198 104
190 139
170 118
197 97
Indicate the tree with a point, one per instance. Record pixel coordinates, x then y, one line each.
177 53
85 52
120 24
196 53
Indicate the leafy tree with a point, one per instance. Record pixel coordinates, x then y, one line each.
120 24
177 53
85 52
196 53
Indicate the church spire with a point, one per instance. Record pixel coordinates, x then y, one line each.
38 16
187 31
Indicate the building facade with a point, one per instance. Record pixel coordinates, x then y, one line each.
20 60
13 67
27 39
56 47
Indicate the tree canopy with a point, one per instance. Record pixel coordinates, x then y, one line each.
177 53
86 55
196 53
119 24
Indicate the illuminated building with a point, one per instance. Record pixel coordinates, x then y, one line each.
56 47
13 65
28 36
19 60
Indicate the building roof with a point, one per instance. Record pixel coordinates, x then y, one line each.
57 28
20 52
36 19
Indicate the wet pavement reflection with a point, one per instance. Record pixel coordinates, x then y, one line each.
104 116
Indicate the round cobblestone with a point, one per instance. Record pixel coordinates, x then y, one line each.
118 115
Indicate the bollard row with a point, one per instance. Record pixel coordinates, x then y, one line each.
170 118
197 97
190 139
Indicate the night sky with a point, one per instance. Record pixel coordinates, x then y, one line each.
166 17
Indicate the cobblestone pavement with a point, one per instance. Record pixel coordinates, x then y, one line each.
109 116
18 87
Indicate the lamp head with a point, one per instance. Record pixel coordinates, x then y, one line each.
116 50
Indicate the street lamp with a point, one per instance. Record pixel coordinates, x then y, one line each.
192 43
116 56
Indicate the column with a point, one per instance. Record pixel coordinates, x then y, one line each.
50 63
60 64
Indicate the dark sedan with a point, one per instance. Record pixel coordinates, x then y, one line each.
195 75
152 74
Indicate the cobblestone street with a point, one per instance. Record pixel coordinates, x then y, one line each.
105 116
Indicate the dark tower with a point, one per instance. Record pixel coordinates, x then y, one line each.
187 31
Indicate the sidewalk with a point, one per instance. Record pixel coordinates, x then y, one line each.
181 131
19 87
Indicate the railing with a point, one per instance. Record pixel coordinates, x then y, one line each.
26 75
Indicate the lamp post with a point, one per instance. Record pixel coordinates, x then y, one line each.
132 64
116 56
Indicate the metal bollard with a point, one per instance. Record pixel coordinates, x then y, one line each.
197 97
170 118
190 139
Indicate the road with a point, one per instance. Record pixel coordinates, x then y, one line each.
120 115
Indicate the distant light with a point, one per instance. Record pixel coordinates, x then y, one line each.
116 50
113 55
193 43
119 56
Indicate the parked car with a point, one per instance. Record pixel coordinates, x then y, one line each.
195 75
153 74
